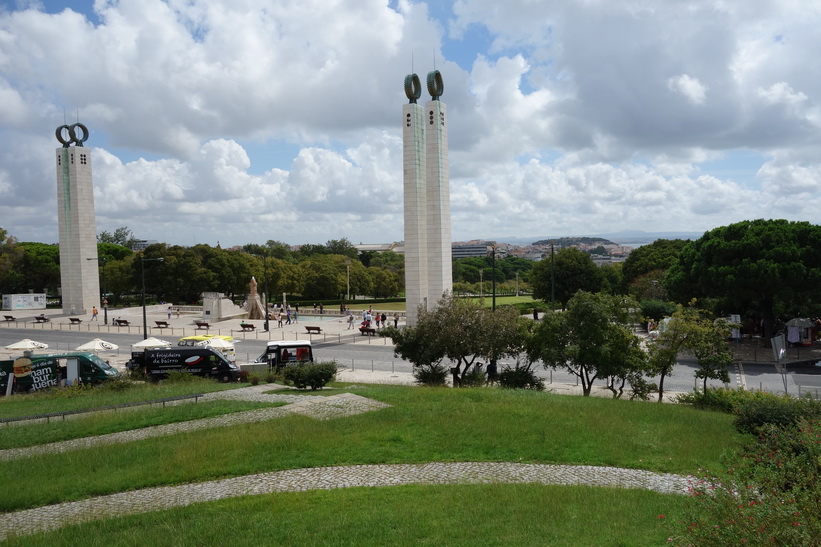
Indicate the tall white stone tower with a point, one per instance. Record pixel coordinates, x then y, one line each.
79 276
440 265
428 267
416 226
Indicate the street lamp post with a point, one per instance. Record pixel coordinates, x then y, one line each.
493 253
101 261
348 270
143 260
517 282
265 292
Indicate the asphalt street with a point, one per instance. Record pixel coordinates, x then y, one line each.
376 354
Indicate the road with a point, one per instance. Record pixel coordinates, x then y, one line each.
374 353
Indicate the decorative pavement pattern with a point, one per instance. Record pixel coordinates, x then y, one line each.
52 517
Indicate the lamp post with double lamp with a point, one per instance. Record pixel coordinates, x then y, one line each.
104 301
143 260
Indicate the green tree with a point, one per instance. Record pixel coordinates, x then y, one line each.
592 339
322 277
342 247
112 251
11 257
573 271
40 268
461 331
766 264
659 255
385 282
121 236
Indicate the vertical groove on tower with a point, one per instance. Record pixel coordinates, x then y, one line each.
416 224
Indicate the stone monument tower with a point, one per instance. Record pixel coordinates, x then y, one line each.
79 276
428 267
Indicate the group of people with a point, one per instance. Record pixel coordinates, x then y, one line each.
284 315
369 317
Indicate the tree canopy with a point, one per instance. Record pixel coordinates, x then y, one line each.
573 270
767 267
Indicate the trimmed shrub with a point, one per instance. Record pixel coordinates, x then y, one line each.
475 377
754 409
520 378
312 375
430 375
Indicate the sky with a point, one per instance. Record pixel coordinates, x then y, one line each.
243 121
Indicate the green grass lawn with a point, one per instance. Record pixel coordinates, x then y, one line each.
112 393
470 515
17 436
421 425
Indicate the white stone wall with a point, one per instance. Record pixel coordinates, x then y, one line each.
416 224
78 231
440 265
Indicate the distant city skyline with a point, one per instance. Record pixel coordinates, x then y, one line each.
217 121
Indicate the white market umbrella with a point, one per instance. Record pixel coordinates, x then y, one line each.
151 343
801 322
97 345
26 344
219 343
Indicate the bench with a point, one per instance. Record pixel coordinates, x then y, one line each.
367 330
41 319
202 325
10 318
161 324
122 322
247 327
75 320
310 330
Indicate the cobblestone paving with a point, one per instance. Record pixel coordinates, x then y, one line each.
314 406
53 517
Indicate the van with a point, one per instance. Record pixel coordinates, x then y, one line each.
34 372
283 353
198 360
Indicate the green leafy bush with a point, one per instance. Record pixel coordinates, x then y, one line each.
475 377
520 378
431 375
312 375
752 415
753 409
769 494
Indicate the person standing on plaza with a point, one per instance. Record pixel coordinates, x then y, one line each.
384 320
94 313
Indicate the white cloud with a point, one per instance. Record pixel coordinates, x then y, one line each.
688 86
254 119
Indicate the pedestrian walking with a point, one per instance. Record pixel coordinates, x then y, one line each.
396 320
169 312
94 313
350 322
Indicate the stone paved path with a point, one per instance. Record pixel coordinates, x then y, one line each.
53 517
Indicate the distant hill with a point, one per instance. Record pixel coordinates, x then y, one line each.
574 241
630 238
